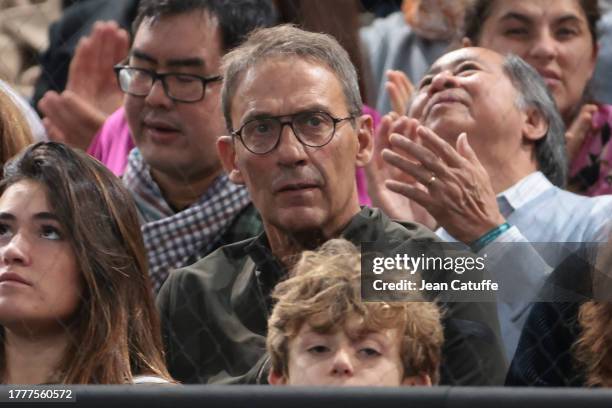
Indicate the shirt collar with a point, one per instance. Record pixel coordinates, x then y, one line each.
360 226
522 192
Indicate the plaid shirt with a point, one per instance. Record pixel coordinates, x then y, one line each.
176 239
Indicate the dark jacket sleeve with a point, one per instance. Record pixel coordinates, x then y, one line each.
543 356
472 352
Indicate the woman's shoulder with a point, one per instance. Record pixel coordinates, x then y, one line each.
149 379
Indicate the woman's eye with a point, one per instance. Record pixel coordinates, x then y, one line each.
369 352
50 232
5 230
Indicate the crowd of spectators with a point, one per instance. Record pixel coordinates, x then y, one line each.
189 188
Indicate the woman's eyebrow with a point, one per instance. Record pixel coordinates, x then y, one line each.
45 216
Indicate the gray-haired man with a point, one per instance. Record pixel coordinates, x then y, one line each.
499 192
292 102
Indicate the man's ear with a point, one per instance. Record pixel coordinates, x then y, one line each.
276 379
227 153
535 126
365 140
466 42
421 379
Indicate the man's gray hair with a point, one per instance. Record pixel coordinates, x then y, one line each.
288 41
550 150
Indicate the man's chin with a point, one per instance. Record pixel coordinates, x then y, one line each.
304 224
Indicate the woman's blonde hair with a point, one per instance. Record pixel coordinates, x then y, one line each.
15 133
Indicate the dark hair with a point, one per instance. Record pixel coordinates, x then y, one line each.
479 11
236 17
116 330
550 150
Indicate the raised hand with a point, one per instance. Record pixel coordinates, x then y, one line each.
92 92
458 191
378 172
400 91
578 130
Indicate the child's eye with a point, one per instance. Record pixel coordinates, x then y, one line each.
369 352
50 232
318 349
5 231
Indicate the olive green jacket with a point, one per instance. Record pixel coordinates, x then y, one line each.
214 313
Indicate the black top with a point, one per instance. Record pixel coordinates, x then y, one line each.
214 313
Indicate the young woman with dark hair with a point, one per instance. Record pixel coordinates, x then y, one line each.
76 304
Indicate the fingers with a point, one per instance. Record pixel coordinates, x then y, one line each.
382 134
414 169
53 132
417 153
579 129
70 119
440 147
583 122
410 191
415 163
400 90
113 43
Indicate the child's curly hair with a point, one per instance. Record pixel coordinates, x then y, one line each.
324 290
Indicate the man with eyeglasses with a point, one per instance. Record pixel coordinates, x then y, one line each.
171 81
292 104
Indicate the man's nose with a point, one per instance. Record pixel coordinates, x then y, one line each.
290 151
442 80
157 95
16 251
342 364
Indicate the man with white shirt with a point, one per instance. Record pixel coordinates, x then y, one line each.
486 149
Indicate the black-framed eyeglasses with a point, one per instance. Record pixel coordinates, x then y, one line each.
177 86
311 128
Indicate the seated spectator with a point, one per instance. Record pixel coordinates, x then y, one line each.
408 41
15 132
293 110
486 158
559 39
187 204
321 333
75 296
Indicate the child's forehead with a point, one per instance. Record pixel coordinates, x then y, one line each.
354 326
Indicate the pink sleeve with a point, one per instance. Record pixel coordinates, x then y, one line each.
113 143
